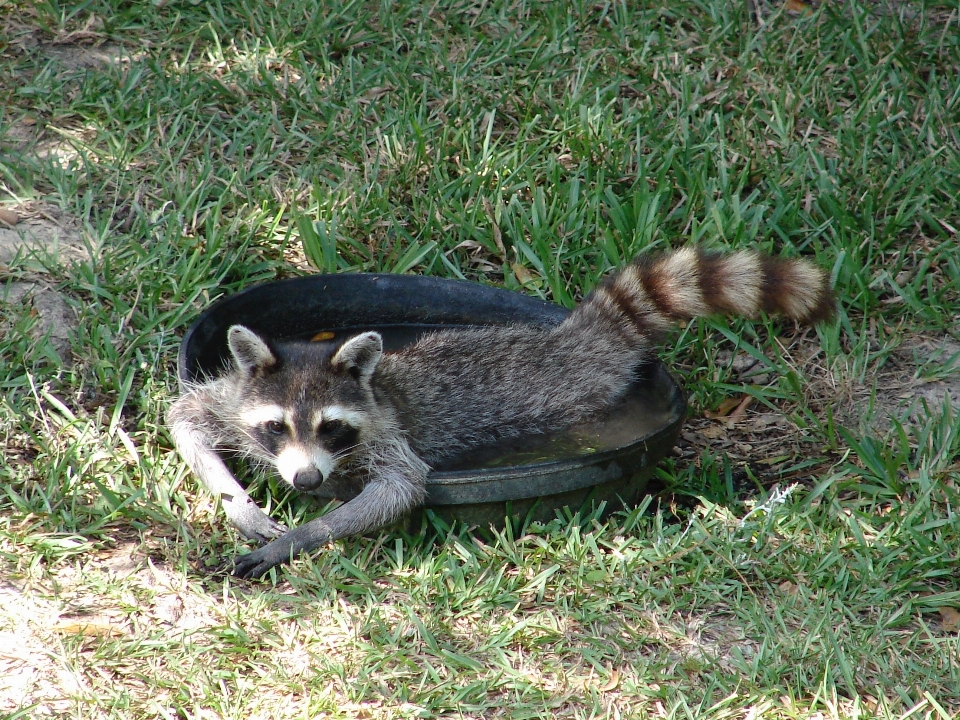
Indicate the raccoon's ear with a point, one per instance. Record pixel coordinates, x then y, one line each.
249 350
359 355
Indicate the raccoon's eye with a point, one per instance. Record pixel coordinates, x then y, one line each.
329 426
275 427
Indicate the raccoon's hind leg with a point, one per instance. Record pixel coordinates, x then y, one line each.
395 485
188 421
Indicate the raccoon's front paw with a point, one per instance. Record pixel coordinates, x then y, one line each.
301 539
258 563
252 522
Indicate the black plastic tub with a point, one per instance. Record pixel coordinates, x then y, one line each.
607 460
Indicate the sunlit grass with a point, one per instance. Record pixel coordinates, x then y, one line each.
799 565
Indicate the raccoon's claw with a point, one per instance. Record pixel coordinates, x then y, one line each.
301 539
252 522
264 531
258 563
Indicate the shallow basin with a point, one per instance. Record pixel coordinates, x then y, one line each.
607 460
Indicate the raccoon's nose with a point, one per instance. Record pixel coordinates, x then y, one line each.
307 479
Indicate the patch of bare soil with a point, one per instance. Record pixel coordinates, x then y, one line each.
918 377
41 230
37 232
762 10
74 57
57 321
923 371
81 45
32 670
40 628
17 135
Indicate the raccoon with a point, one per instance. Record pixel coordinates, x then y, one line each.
366 425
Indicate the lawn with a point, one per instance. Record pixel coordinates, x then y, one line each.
799 553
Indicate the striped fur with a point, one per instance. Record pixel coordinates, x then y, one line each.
654 293
368 424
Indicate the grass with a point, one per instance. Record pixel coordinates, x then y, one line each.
802 564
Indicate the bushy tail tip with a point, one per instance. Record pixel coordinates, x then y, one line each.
655 292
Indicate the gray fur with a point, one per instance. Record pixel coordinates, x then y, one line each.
373 423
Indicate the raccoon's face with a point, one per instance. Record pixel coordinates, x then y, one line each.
307 406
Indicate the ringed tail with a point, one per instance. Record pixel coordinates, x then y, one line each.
655 292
